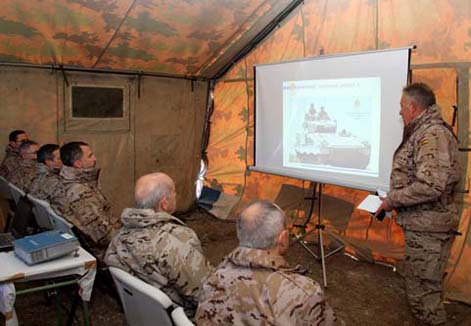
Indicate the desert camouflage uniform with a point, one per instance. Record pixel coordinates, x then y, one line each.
79 200
251 287
24 174
159 249
424 174
10 161
45 182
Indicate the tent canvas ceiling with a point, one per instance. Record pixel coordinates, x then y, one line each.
187 38
198 38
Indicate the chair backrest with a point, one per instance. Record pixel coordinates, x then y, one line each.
59 223
145 304
41 213
16 192
5 191
24 221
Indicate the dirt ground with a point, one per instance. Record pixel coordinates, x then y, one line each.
360 293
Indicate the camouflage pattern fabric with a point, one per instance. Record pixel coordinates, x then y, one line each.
424 174
23 175
426 257
253 287
45 183
159 249
79 200
10 161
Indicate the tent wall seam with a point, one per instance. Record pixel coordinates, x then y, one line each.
114 34
226 44
259 38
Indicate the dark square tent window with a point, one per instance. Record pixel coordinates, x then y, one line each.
97 102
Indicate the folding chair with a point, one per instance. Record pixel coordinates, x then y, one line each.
5 191
8 206
16 192
144 304
58 222
41 213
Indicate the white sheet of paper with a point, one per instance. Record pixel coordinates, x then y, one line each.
371 203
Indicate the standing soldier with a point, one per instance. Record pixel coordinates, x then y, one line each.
424 175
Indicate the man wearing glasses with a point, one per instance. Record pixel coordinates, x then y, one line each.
26 170
12 157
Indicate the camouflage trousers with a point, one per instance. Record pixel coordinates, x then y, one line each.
426 257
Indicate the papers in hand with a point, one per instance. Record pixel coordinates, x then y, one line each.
370 203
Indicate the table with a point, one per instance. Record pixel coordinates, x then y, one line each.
80 264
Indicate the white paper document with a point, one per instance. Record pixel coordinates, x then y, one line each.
370 203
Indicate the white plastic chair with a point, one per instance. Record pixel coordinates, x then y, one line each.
41 212
59 223
144 304
16 192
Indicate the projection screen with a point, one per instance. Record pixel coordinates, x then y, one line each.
331 119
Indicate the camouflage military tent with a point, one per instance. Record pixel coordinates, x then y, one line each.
168 56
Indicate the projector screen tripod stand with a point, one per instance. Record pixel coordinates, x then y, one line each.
319 227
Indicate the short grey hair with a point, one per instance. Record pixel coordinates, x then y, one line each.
260 224
152 192
24 147
421 94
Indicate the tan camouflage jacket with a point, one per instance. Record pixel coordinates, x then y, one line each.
424 174
45 183
255 287
79 200
159 249
24 174
10 162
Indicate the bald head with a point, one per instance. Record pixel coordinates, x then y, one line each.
155 191
260 225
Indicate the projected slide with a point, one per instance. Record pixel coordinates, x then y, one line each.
332 125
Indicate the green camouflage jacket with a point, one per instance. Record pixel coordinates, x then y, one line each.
256 287
425 172
159 249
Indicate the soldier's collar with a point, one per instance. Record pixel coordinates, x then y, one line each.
80 175
259 258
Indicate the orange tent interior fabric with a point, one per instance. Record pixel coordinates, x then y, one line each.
198 38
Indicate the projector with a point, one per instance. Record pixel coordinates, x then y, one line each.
45 246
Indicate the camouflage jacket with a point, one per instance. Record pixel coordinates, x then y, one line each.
10 162
24 174
424 174
159 249
45 183
79 200
256 287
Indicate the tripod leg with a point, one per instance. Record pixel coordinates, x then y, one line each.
321 247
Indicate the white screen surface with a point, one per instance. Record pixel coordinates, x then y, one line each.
331 119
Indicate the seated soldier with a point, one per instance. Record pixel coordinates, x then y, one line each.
48 167
157 247
79 200
12 157
254 284
25 171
